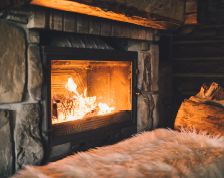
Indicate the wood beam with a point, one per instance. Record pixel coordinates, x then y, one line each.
150 20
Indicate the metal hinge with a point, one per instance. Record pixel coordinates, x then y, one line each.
137 72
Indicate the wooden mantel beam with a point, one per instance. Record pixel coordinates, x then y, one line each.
120 10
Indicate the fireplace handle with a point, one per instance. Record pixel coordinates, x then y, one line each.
140 92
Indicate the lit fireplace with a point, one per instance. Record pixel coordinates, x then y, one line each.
83 89
89 90
43 49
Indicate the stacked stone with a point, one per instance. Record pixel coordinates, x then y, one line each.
148 76
19 94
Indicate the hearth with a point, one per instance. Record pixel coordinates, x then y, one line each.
90 96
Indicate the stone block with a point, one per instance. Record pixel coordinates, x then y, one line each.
145 106
17 18
144 64
138 46
24 11
59 151
28 145
38 18
33 37
6 157
12 63
154 51
35 72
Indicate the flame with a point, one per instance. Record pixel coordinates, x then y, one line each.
104 109
84 106
71 86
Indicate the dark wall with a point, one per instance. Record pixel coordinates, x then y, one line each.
198 56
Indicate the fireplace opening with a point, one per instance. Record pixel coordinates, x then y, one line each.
91 98
89 94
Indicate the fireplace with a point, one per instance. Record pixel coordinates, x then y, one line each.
90 93
36 103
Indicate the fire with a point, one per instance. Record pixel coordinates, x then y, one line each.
79 106
104 109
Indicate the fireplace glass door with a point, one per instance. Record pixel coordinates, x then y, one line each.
89 94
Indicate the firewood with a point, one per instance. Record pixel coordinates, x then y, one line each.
203 112
200 117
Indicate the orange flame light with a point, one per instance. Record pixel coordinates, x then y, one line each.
80 106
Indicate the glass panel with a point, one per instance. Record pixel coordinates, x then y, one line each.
83 89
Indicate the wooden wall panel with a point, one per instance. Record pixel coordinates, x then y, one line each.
199 50
116 29
70 22
134 32
51 19
185 84
209 66
106 27
142 33
94 25
83 23
126 31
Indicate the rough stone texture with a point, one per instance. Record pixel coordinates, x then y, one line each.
155 113
147 111
62 150
6 158
33 37
146 80
12 63
23 11
145 106
138 46
144 64
154 51
144 67
140 70
29 148
38 18
17 18
35 72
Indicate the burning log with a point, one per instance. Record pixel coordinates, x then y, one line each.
76 106
203 112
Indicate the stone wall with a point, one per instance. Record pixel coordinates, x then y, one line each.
20 84
147 102
21 81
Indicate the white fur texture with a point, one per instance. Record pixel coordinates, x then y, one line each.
158 153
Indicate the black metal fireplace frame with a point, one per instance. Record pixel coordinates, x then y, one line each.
65 53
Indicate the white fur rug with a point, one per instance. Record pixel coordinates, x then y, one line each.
158 153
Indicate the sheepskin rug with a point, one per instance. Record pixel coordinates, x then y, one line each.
158 153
